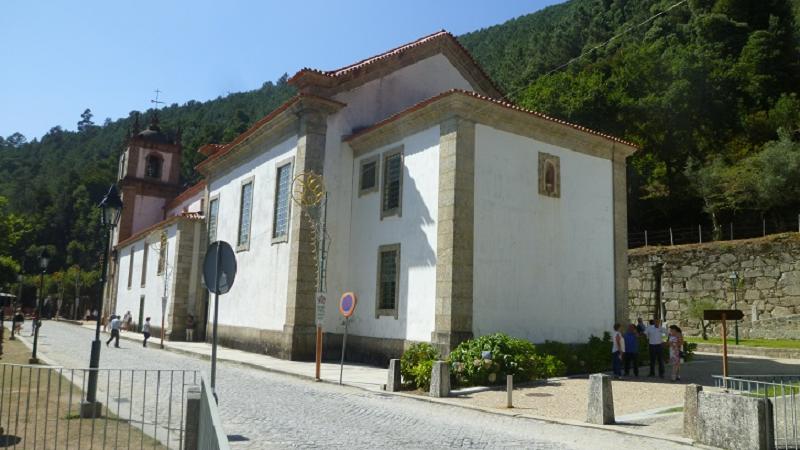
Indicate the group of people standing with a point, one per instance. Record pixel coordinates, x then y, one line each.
625 348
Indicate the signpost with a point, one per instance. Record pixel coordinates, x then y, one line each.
320 317
724 315
219 271
347 306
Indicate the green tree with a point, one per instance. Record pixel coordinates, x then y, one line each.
695 310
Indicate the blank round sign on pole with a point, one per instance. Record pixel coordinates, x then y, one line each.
225 269
347 304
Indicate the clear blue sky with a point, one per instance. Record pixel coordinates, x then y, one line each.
60 57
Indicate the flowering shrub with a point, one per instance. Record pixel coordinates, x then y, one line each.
416 365
488 359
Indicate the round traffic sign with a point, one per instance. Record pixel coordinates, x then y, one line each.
347 304
219 267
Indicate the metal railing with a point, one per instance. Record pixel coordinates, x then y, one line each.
783 391
700 233
45 407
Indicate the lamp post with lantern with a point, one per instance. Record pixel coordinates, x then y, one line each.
44 260
110 211
734 277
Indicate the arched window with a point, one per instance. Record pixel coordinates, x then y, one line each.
152 168
549 177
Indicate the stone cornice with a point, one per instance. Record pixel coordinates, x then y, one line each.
269 131
498 115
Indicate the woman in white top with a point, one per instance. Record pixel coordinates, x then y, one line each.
617 349
675 346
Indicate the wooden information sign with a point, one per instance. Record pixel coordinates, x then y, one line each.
724 315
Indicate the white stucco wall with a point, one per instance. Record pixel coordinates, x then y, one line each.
153 290
544 266
415 231
258 296
366 105
149 211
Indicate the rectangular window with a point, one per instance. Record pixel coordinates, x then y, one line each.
392 183
245 213
130 268
283 183
144 264
162 253
213 213
388 280
368 175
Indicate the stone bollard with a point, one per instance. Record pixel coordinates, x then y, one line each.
440 379
393 383
690 416
601 400
192 417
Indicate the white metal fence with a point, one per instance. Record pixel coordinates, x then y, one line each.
783 391
40 407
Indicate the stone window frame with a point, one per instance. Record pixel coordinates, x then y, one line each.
397 211
211 200
391 312
547 160
130 266
245 246
144 265
376 159
154 156
282 238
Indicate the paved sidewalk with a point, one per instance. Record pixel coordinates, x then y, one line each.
357 375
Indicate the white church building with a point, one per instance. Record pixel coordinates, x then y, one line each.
452 213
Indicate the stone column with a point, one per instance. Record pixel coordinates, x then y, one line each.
619 193
601 400
690 416
440 379
455 234
393 383
299 329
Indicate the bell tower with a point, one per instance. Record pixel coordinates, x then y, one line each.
148 177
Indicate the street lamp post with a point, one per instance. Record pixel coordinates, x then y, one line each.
734 277
44 260
20 279
111 208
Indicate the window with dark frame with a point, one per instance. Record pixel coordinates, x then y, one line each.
368 175
388 280
213 212
130 268
392 195
283 181
144 264
245 214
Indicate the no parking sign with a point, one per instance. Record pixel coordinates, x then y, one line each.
347 304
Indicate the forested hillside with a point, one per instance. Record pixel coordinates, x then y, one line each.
708 90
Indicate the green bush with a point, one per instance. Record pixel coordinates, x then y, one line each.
509 356
416 365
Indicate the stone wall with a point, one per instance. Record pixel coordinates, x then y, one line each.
768 291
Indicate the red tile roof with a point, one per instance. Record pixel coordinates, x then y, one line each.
199 186
226 148
501 103
168 221
425 40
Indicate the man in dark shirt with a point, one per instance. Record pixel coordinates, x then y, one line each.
631 355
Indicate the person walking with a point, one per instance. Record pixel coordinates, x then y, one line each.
116 324
617 350
190 328
19 320
146 331
655 339
631 356
675 347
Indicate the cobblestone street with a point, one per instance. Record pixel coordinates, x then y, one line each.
266 410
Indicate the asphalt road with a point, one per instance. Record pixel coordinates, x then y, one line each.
266 410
